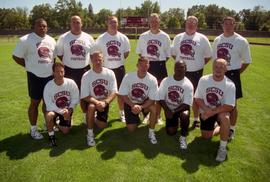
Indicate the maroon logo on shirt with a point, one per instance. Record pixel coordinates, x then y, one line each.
77 49
100 90
113 51
224 54
62 102
152 50
212 99
187 50
174 96
138 94
43 52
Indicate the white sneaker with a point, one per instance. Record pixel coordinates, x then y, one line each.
122 116
160 121
152 137
183 143
221 154
90 140
146 119
35 134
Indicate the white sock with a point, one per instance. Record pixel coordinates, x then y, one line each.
90 132
34 127
232 128
151 130
223 143
51 133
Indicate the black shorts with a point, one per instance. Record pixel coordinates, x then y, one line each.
119 75
174 121
209 124
234 75
63 122
158 69
76 74
132 118
194 77
36 85
103 116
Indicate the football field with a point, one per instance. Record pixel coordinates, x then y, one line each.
120 156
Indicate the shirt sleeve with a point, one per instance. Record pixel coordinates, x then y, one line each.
140 46
167 46
84 87
162 90
60 46
198 92
113 83
75 95
245 52
127 44
20 49
173 49
207 48
153 92
188 95
123 90
229 97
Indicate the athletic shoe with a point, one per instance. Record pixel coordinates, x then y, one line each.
152 137
35 134
196 124
221 154
122 116
52 140
231 134
146 119
90 140
160 121
183 143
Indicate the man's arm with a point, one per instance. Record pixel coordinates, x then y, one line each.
19 61
244 67
206 60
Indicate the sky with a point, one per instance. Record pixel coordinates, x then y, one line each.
113 5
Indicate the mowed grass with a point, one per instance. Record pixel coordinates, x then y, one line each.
120 156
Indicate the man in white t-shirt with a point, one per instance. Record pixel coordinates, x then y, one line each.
139 91
194 48
155 45
215 96
73 48
36 53
176 97
235 50
115 47
60 96
98 89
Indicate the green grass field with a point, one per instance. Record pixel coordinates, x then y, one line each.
120 156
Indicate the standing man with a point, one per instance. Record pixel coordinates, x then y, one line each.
215 97
194 48
73 49
60 96
115 47
154 44
235 50
98 89
36 52
176 97
139 91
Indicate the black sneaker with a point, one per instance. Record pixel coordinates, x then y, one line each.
52 140
196 124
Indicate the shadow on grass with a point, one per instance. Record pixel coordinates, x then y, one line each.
199 152
21 145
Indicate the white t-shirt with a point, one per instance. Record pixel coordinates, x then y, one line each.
113 48
75 49
234 49
156 47
191 49
175 93
58 97
98 85
215 93
139 90
38 53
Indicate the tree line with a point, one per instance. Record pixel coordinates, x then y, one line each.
57 17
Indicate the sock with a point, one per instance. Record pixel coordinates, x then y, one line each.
51 133
196 118
232 128
90 132
223 143
34 127
151 130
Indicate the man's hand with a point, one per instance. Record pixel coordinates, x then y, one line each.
136 109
